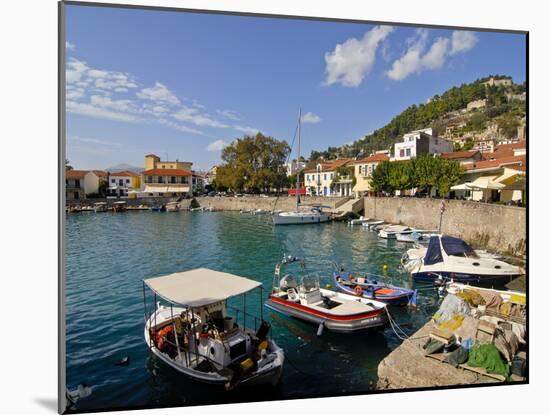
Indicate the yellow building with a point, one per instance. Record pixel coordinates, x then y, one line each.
167 178
363 169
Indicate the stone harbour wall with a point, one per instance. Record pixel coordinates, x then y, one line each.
489 226
267 203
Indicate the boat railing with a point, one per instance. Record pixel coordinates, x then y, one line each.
244 316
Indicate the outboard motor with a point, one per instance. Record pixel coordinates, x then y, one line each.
263 330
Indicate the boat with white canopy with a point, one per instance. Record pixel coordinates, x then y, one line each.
191 330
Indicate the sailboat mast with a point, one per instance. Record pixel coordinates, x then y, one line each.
298 161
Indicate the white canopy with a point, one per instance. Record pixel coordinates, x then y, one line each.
486 182
462 186
200 287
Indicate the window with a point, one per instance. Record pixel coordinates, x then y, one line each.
408 152
149 179
324 176
331 176
360 169
77 184
173 179
401 153
127 181
120 182
161 179
113 181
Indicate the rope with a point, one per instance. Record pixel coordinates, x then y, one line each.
395 327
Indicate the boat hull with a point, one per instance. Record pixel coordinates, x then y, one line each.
400 298
477 279
299 220
342 324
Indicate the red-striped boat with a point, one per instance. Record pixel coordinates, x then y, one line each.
328 309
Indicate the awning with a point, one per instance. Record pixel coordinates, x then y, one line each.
178 189
486 183
462 186
513 179
155 189
200 287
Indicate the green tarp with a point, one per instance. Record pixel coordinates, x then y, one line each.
488 357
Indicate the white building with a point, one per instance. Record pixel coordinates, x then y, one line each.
319 181
420 142
294 166
120 183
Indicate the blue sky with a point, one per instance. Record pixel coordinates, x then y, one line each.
183 85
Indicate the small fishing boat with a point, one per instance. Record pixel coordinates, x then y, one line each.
371 224
338 312
369 287
196 209
245 211
161 208
449 258
358 221
192 332
260 212
100 207
390 232
87 208
119 206
173 207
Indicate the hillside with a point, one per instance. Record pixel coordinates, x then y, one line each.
497 109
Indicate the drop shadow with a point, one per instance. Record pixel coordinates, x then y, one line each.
48 403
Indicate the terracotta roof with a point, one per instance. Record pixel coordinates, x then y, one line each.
167 172
459 154
125 173
500 162
372 159
506 150
76 173
100 173
329 166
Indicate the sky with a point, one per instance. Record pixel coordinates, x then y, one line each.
184 85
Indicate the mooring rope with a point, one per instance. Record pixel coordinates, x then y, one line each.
395 327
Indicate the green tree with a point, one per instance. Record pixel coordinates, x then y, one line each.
253 163
401 175
380 178
426 172
450 172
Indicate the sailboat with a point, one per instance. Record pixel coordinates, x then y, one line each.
303 214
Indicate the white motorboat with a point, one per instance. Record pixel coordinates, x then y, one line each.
260 212
451 259
416 235
359 221
371 224
173 207
338 312
100 207
390 232
193 333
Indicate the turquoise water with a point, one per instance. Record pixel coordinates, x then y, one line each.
108 255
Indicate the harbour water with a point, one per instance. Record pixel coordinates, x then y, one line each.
108 255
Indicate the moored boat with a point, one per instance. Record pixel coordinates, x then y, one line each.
100 207
449 258
338 312
390 232
370 287
173 207
119 206
359 221
195 335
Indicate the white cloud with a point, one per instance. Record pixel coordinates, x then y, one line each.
194 116
352 60
179 127
230 114
246 130
158 93
462 41
94 111
310 118
417 60
70 46
217 145
89 140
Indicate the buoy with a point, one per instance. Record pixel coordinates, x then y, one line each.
385 267
320 329
328 286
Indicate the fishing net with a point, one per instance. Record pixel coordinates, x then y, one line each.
450 306
488 357
452 324
472 297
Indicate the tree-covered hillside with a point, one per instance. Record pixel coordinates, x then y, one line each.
436 114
